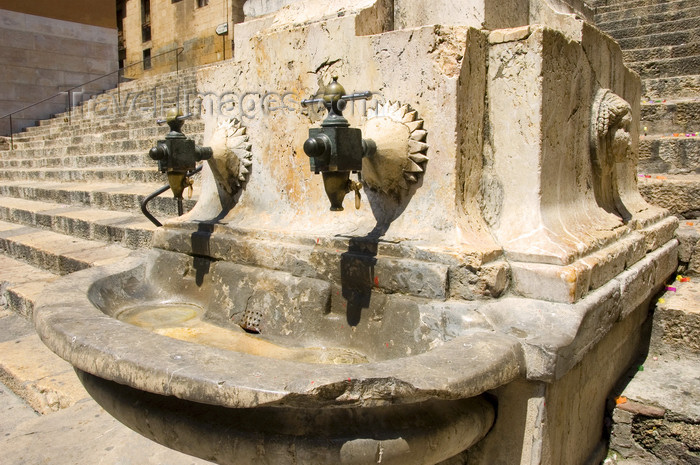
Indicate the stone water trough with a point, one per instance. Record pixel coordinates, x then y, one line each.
477 308
401 383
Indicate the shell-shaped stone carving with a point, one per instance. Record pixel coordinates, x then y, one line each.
401 154
232 154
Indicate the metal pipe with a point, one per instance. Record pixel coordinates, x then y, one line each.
153 195
149 197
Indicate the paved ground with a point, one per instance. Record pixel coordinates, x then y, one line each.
80 434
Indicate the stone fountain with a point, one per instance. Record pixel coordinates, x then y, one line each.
477 307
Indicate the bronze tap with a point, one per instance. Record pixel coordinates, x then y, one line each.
177 155
335 149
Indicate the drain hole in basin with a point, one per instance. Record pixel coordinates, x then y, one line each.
250 321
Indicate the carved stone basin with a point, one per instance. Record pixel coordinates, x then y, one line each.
157 341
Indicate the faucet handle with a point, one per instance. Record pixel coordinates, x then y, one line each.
367 95
173 117
335 98
311 101
356 186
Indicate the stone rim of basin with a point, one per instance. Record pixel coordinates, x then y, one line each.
71 326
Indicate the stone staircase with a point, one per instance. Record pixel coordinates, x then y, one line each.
70 195
71 187
660 40
654 416
655 412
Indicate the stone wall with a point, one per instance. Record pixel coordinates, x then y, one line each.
181 24
42 56
93 12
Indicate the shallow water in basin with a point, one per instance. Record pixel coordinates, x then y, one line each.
184 322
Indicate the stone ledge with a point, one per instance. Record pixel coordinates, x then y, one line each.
570 283
572 330
500 36
391 266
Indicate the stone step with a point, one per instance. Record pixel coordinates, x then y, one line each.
148 85
665 26
129 175
654 419
71 139
138 159
120 146
34 373
141 95
666 67
98 126
680 116
679 193
139 104
663 52
35 131
107 122
676 324
671 155
43 156
680 87
20 284
688 235
163 94
112 115
54 252
634 8
147 133
658 39
130 230
188 76
80 434
168 87
71 428
642 18
81 137
103 195
656 409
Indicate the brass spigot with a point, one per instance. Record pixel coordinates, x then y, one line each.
177 155
335 149
337 184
